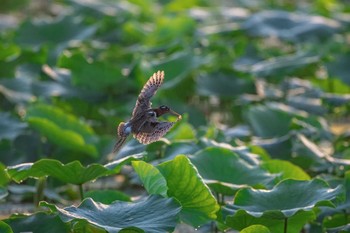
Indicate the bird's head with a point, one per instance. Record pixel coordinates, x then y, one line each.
165 109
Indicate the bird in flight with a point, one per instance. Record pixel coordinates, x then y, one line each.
144 124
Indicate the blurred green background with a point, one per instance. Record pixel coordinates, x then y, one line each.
271 77
70 71
73 69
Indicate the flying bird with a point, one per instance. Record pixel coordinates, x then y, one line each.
144 124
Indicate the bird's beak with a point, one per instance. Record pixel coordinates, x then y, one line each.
175 114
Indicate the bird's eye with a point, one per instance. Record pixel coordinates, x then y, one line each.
164 107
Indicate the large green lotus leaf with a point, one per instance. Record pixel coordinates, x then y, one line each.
225 165
19 172
223 85
62 30
260 117
55 35
106 196
151 178
286 169
36 223
296 27
61 118
336 222
338 67
94 75
342 229
346 183
64 138
272 220
307 104
278 147
297 149
283 65
86 227
187 186
62 129
287 197
73 172
28 57
16 90
10 127
5 228
62 86
154 214
307 154
256 229
23 89
224 188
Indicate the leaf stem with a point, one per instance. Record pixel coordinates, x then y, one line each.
40 186
81 191
285 225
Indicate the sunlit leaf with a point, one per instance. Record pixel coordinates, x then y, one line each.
186 185
5 228
256 229
73 172
151 178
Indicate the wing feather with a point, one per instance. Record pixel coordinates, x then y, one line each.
159 130
149 89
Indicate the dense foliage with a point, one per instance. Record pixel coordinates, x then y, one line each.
263 87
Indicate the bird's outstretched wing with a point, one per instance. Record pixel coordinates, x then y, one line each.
149 89
159 129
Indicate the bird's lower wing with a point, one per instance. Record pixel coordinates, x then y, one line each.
159 130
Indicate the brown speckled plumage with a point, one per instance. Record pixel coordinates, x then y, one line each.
144 124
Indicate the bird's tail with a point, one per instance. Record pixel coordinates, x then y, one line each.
119 144
122 137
